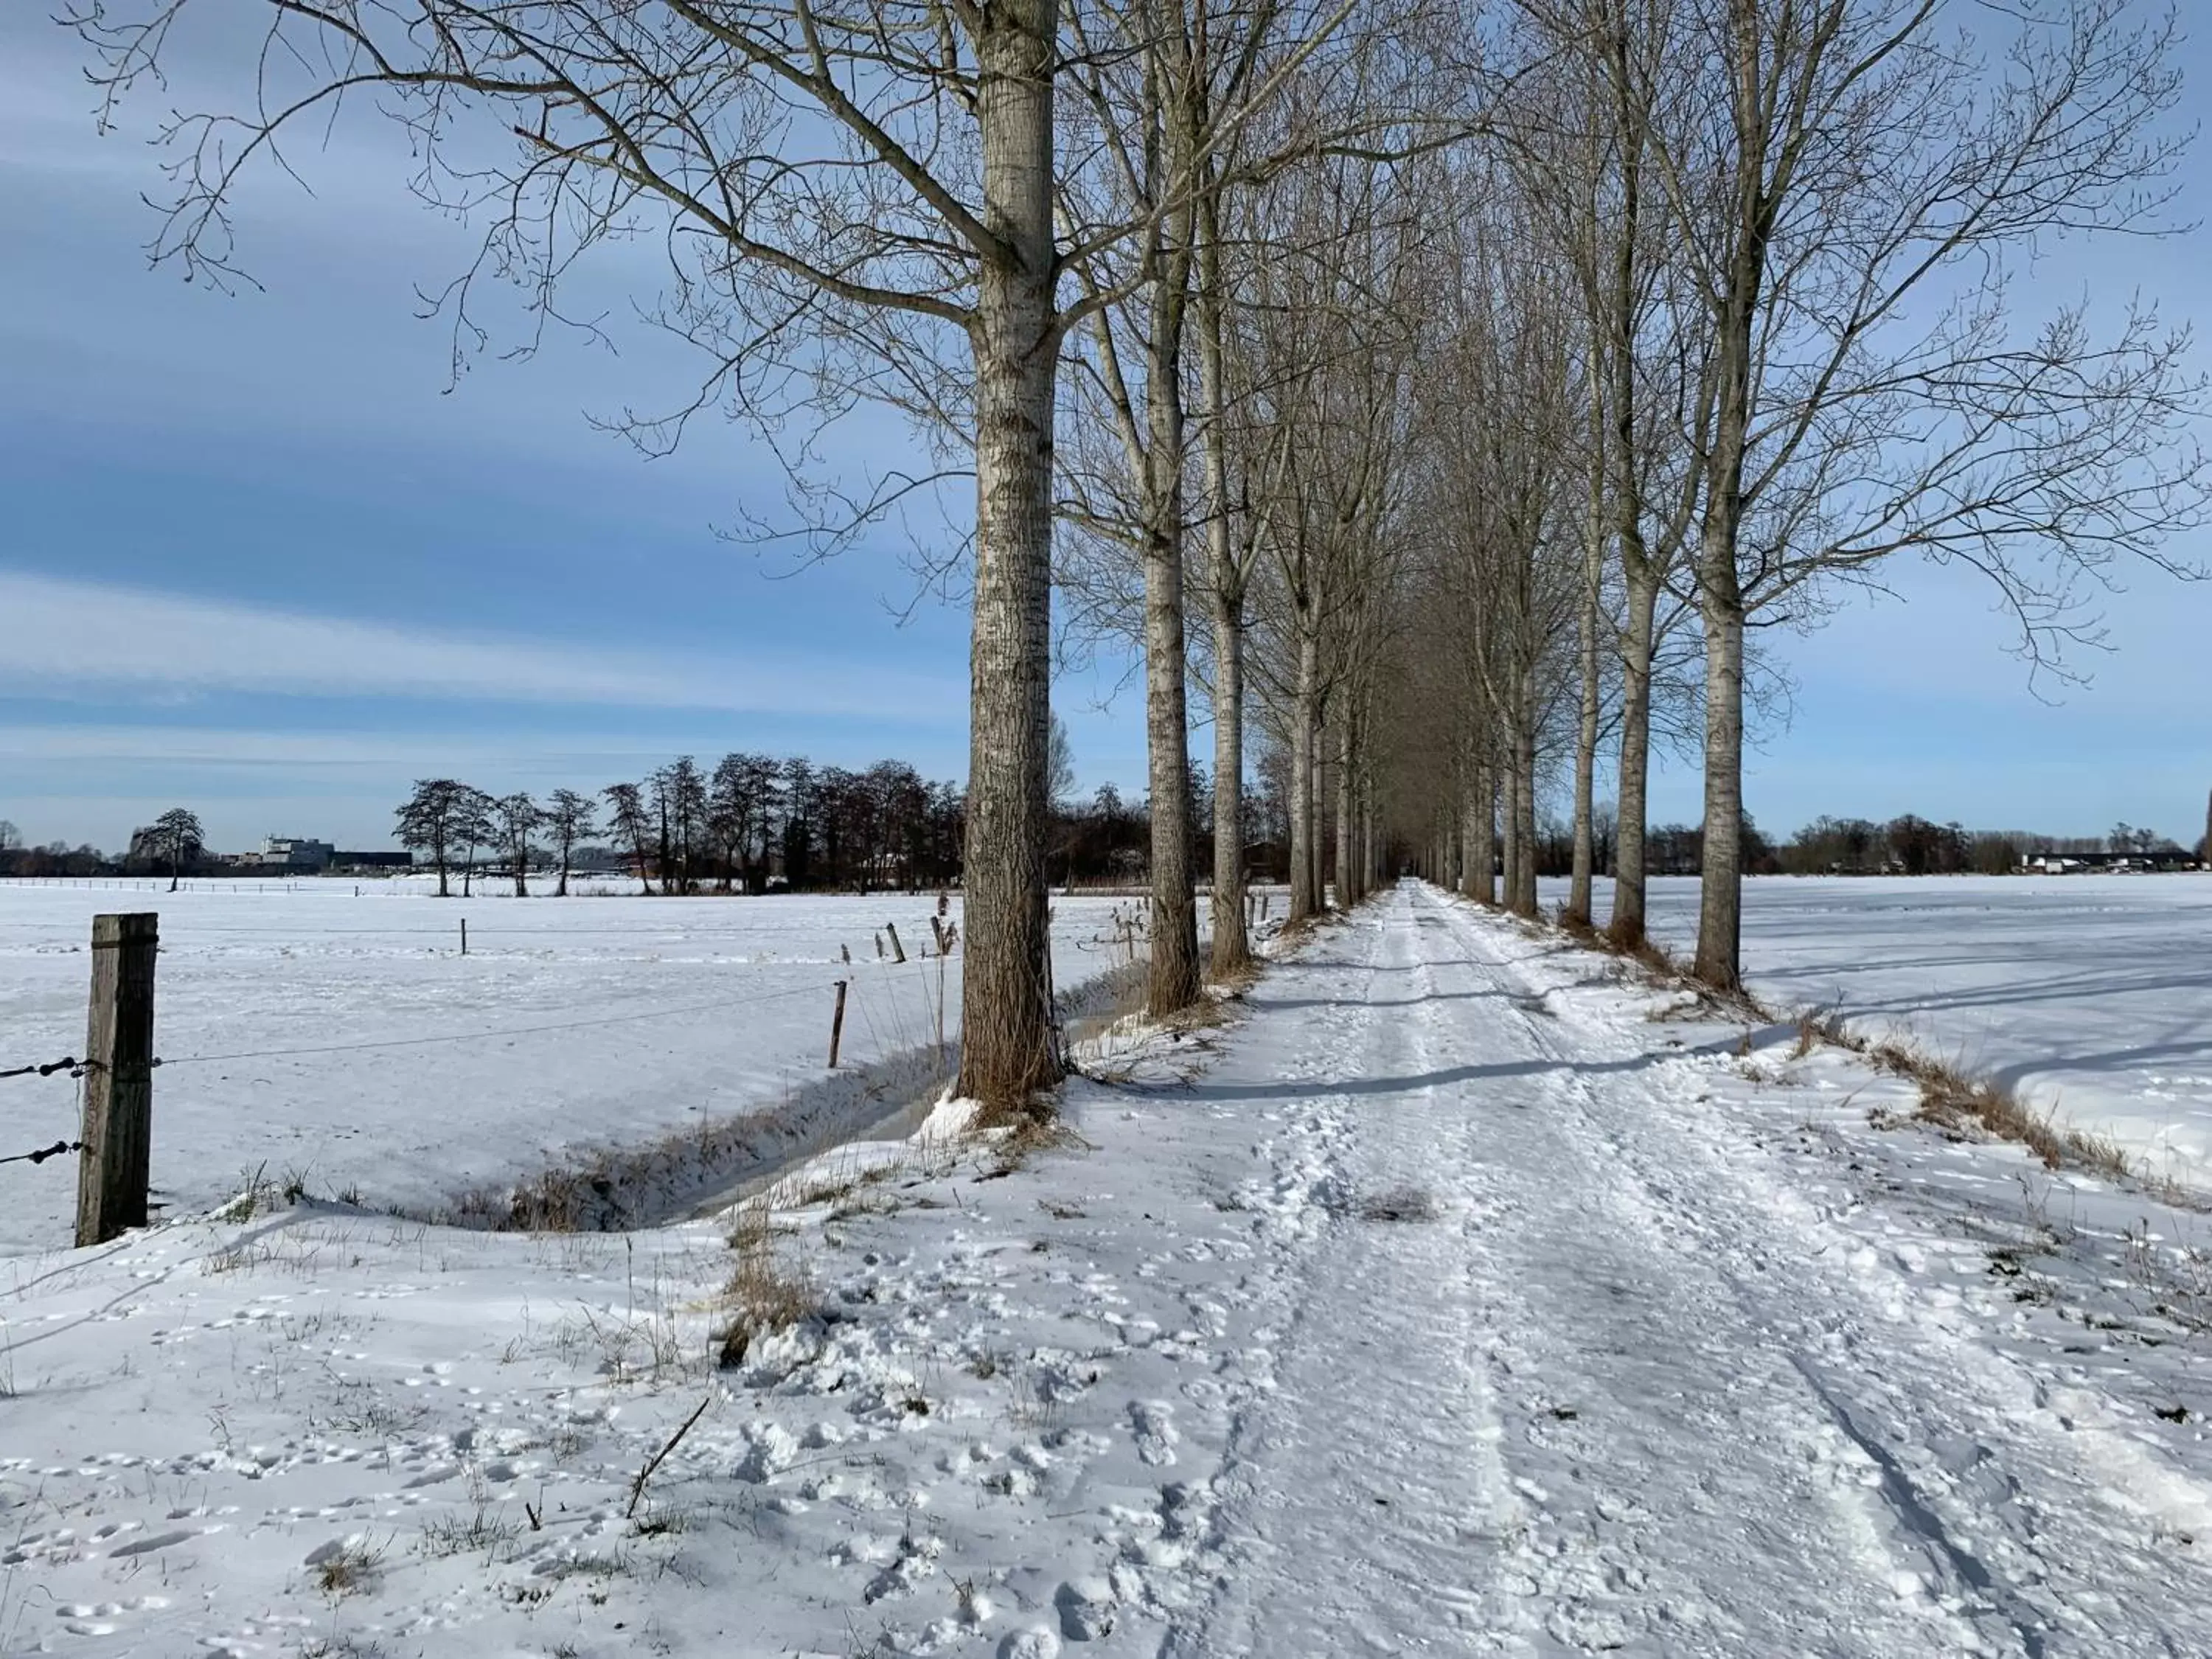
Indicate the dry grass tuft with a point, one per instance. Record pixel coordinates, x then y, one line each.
351 1571
765 1294
1954 1099
1815 1028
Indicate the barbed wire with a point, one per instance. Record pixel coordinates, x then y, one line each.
68 1063
59 1149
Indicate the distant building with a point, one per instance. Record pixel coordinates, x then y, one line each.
297 853
2041 863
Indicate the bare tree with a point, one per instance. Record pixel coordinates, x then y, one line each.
177 832
515 819
1850 187
631 824
431 821
572 817
473 825
856 203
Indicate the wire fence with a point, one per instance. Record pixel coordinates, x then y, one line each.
68 1065
870 998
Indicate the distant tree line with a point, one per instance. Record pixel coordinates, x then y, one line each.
748 821
1906 845
171 846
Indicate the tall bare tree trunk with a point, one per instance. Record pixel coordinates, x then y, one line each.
1511 850
1174 981
1232 949
1347 873
1480 883
1522 898
1305 715
1586 621
1368 832
1720 886
1629 863
1007 1052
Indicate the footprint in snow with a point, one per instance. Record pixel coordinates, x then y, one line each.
1152 1423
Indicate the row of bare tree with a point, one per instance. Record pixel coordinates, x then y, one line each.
1480 375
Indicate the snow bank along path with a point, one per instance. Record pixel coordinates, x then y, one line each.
584 1023
1460 1307
2092 994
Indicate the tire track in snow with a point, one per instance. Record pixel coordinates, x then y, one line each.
1685 1495
1355 1508
2013 1524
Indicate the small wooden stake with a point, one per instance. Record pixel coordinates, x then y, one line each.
117 1128
898 950
837 1026
464 936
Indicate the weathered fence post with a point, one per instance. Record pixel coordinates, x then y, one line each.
837 1026
464 936
118 1130
898 950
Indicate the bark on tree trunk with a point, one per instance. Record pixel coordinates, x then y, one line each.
1174 982
1007 1052
1628 926
1720 887
1305 716
1347 877
1585 858
1232 949
1522 898
1368 832
1509 850
1482 838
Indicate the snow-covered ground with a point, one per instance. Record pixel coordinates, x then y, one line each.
334 1032
1456 1300
2092 994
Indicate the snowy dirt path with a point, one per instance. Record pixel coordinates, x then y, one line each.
1627 1390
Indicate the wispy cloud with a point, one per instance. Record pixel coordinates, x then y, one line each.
70 638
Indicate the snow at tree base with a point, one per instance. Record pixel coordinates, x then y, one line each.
1458 1294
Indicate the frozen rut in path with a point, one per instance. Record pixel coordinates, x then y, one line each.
1627 1390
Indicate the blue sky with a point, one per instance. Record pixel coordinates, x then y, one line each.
256 557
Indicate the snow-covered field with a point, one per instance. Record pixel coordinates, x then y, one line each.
2092 994
1456 1299
335 1032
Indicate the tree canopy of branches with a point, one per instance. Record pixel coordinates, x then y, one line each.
1494 378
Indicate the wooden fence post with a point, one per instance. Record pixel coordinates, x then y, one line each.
118 1130
464 936
837 1026
898 950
